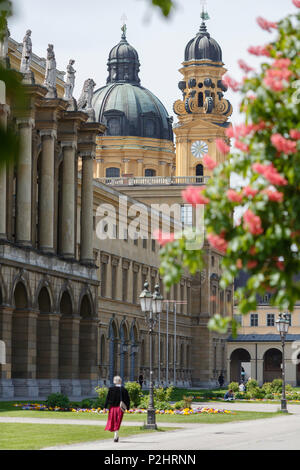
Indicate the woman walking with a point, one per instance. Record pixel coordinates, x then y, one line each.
118 402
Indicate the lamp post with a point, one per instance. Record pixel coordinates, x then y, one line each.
151 306
283 327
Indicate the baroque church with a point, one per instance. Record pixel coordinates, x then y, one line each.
70 281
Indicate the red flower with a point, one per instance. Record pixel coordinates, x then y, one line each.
245 66
192 195
252 223
295 134
231 83
280 265
222 146
239 264
233 196
253 251
259 50
283 145
296 3
163 238
266 25
248 191
241 146
282 63
218 242
209 163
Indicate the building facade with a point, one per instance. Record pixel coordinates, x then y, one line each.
70 272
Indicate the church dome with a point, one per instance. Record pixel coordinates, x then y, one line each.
203 47
123 105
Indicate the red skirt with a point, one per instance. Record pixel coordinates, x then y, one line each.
115 417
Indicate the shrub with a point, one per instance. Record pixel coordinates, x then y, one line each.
252 384
179 405
135 393
289 388
269 396
240 395
234 386
268 389
187 402
58 400
102 394
277 386
144 403
256 392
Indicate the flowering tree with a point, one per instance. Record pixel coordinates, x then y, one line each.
265 240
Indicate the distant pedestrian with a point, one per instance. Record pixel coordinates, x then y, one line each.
243 374
118 402
242 387
221 380
141 380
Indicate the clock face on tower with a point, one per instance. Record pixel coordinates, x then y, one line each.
199 149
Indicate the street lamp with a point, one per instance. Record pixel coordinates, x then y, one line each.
283 327
151 306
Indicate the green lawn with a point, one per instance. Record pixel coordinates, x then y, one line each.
37 436
8 410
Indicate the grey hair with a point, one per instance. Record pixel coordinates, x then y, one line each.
117 380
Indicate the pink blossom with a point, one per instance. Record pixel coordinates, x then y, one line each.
274 84
231 83
282 63
192 195
233 196
296 3
283 145
209 163
273 195
218 242
259 50
241 146
248 191
245 66
265 24
239 264
163 238
270 173
252 223
295 134
222 146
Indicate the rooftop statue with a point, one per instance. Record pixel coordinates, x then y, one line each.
50 75
85 100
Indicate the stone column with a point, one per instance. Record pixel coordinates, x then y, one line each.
100 168
4 110
163 169
140 168
46 229
24 183
86 251
67 234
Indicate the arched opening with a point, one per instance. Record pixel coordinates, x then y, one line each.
22 349
47 335
133 354
124 352
113 351
199 170
240 359
112 173
68 365
149 173
1 297
272 365
87 341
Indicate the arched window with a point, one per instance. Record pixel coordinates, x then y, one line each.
112 173
44 301
150 173
66 304
199 170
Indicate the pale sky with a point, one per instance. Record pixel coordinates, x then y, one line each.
86 30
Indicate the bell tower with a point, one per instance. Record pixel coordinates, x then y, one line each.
203 111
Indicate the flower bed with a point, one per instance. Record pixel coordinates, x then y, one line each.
185 412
